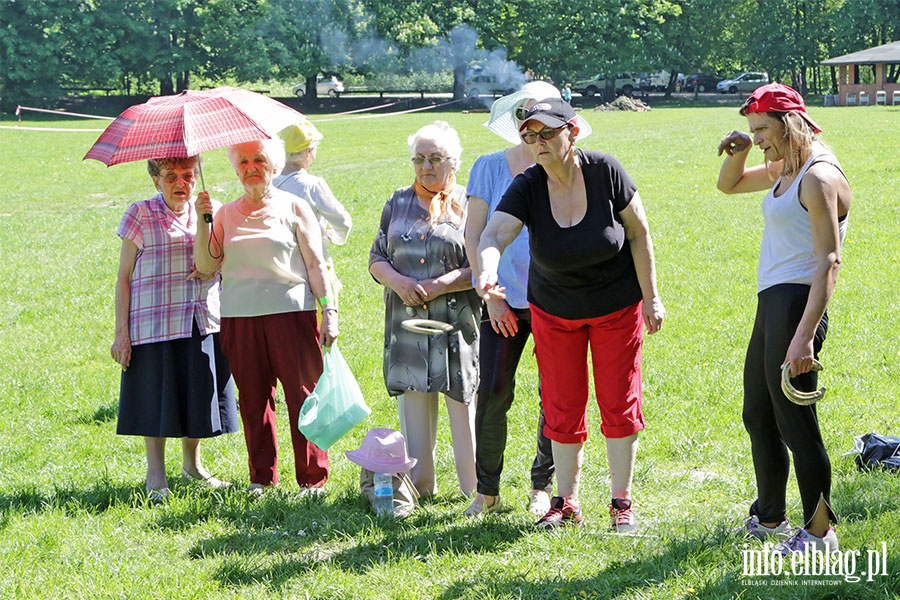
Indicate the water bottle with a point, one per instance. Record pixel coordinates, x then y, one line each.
384 493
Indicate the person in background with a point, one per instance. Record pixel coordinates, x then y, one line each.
267 244
591 286
505 323
566 93
176 382
419 257
301 144
805 213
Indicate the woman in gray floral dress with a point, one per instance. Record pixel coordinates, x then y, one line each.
419 256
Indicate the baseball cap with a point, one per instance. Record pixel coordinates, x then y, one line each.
299 136
552 112
775 97
504 124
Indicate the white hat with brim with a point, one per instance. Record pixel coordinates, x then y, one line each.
504 124
382 451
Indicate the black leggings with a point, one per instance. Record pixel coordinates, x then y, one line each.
498 360
776 424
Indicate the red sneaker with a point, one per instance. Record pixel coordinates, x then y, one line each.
563 512
621 515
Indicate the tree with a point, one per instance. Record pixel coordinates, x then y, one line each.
297 39
863 24
31 65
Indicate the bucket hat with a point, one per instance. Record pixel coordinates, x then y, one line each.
775 97
299 136
505 125
382 451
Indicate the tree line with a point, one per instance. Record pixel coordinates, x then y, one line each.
50 47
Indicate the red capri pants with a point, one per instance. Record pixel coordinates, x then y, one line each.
561 347
261 350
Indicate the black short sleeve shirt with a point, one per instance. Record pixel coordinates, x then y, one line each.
586 270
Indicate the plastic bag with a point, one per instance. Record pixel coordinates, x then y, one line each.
335 406
873 450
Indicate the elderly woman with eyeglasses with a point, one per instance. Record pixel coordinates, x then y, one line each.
419 256
175 379
591 287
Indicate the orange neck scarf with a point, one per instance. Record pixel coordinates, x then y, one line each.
441 205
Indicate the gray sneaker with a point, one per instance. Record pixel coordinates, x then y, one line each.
753 528
803 541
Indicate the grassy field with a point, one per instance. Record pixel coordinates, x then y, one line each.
73 521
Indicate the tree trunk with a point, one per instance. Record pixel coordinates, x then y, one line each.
459 82
184 81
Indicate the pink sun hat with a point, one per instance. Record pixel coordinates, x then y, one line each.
382 451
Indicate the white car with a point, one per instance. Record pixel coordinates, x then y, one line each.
329 86
626 83
744 83
476 85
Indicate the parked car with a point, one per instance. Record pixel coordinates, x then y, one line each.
329 86
704 82
484 83
626 83
743 83
654 82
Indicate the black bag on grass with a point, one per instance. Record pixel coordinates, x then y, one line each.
877 451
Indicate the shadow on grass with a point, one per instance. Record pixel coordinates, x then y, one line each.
96 499
280 537
653 576
104 414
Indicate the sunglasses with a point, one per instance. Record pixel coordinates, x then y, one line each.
434 160
547 133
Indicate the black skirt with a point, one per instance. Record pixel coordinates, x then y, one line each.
179 388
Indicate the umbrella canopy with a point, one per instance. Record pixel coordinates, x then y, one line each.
189 123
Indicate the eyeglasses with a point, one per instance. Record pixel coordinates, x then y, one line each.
434 160
547 133
173 177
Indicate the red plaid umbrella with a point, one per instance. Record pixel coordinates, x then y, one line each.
189 123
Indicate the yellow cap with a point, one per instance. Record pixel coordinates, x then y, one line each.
299 136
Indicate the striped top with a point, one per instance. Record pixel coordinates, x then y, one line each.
164 303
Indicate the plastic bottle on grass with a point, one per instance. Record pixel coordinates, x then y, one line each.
384 493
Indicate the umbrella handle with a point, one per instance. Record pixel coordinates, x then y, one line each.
207 218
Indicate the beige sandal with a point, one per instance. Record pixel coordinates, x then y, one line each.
479 506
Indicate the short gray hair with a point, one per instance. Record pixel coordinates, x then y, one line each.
272 149
444 136
156 165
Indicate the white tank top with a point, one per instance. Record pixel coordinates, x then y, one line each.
787 254
263 272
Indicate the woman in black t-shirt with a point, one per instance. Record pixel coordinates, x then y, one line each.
591 284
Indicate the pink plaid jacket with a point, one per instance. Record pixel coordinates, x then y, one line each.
163 302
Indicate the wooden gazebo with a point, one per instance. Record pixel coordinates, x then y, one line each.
852 92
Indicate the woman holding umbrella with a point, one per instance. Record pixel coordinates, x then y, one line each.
268 246
175 379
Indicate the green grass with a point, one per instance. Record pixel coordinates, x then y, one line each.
74 524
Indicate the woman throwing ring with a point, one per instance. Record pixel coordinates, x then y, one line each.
591 285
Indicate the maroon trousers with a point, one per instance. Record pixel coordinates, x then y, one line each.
261 351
